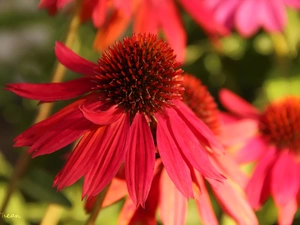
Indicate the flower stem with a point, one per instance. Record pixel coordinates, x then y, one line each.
97 207
43 112
52 215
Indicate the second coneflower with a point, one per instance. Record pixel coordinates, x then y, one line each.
135 85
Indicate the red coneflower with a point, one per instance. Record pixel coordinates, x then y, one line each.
165 196
275 146
135 85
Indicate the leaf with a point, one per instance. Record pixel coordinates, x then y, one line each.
38 185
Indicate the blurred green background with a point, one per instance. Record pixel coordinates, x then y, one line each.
259 69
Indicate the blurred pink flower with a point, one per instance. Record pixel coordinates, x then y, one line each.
247 16
275 146
166 198
135 86
112 18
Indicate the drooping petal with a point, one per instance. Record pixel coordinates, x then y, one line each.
245 22
31 135
226 165
238 132
172 27
199 129
252 150
254 188
139 160
237 105
73 61
173 205
234 202
81 159
173 161
205 208
190 146
272 15
52 91
62 3
124 5
286 213
116 191
132 215
285 179
292 3
50 5
101 117
99 13
111 30
110 155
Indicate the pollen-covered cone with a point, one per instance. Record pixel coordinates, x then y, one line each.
165 197
135 84
274 146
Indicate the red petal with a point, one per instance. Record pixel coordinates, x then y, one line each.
198 127
234 203
205 208
140 160
116 191
173 161
252 151
81 159
99 13
286 213
50 5
172 27
173 205
73 61
255 186
52 91
285 179
190 146
109 157
101 117
237 105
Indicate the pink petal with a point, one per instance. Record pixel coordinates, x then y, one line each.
190 146
124 5
286 213
99 13
229 168
204 16
292 3
172 27
73 61
255 186
173 161
285 178
173 205
81 159
272 15
247 17
139 160
233 200
101 117
200 130
109 158
52 91
252 151
205 208
238 132
237 105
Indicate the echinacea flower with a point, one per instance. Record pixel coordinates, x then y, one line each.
165 197
112 18
275 146
134 85
248 16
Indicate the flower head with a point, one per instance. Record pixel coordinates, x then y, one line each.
165 197
249 15
275 146
135 85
